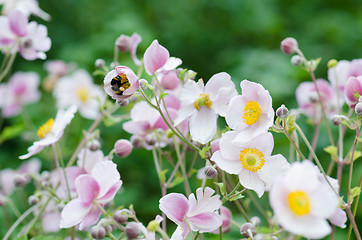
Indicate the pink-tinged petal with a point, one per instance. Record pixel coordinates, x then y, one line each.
73 213
354 84
111 193
339 218
160 123
18 23
252 181
135 39
171 101
205 202
141 111
87 189
72 173
155 57
32 150
203 125
50 221
106 175
231 166
226 223
175 206
136 127
274 167
91 218
205 222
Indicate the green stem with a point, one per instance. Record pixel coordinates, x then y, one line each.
8 67
60 160
182 166
351 165
37 217
354 209
292 141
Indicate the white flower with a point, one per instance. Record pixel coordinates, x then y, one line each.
51 131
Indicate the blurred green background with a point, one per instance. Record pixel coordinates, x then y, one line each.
241 37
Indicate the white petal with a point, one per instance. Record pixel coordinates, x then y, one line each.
229 166
252 181
274 167
203 125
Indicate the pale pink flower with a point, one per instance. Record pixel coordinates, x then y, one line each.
121 83
226 220
94 190
22 89
202 104
129 43
87 159
51 131
56 67
302 203
252 111
27 7
339 74
13 27
353 85
308 100
78 89
201 214
155 57
251 159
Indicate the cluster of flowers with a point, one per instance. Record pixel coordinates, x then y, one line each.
169 110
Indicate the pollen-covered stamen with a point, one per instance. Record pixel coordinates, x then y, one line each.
299 202
252 159
120 84
83 94
203 100
251 112
45 128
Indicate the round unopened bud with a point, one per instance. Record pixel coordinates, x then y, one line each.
332 63
45 184
255 220
114 65
99 63
32 200
133 230
282 112
210 172
123 148
19 180
296 60
98 232
336 120
94 145
60 207
247 230
358 108
170 81
143 84
150 139
123 43
123 102
289 45
119 216
137 141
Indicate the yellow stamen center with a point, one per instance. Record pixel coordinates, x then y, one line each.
298 202
252 159
251 112
46 128
83 94
203 100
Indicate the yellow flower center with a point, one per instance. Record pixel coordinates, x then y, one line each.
252 159
83 94
298 202
203 100
46 128
251 112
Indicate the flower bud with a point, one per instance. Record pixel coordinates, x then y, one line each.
122 102
122 43
282 112
99 63
114 65
123 148
210 172
358 108
170 81
32 200
119 216
332 63
133 230
94 145
336 120
289 45
98 232
137 141
153 225
150 139
255 220
19 180
296 60
143 83
247 229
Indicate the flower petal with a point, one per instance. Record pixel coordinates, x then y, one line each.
175 206
107 175
205 222
274 167
155 57
232 166
203 125
87 189
252 181
91 218
73 213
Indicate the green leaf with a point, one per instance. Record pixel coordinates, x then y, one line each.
11 132
47 237
222 188
22 238
176 181
203 151
356 155
236 197
355 192
163 175
332 150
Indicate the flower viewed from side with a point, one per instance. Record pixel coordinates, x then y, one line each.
202 104
302 203
94 190
129 43
121 83
22 88
251 160
353 85
155 57
200 215
51 131
251 112
308 100
79 89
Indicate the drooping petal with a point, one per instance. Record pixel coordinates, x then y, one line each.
73 213
155 57
175 206
203 125
87 189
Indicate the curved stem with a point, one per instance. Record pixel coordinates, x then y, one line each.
8 67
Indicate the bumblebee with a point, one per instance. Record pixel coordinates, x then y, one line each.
119 84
